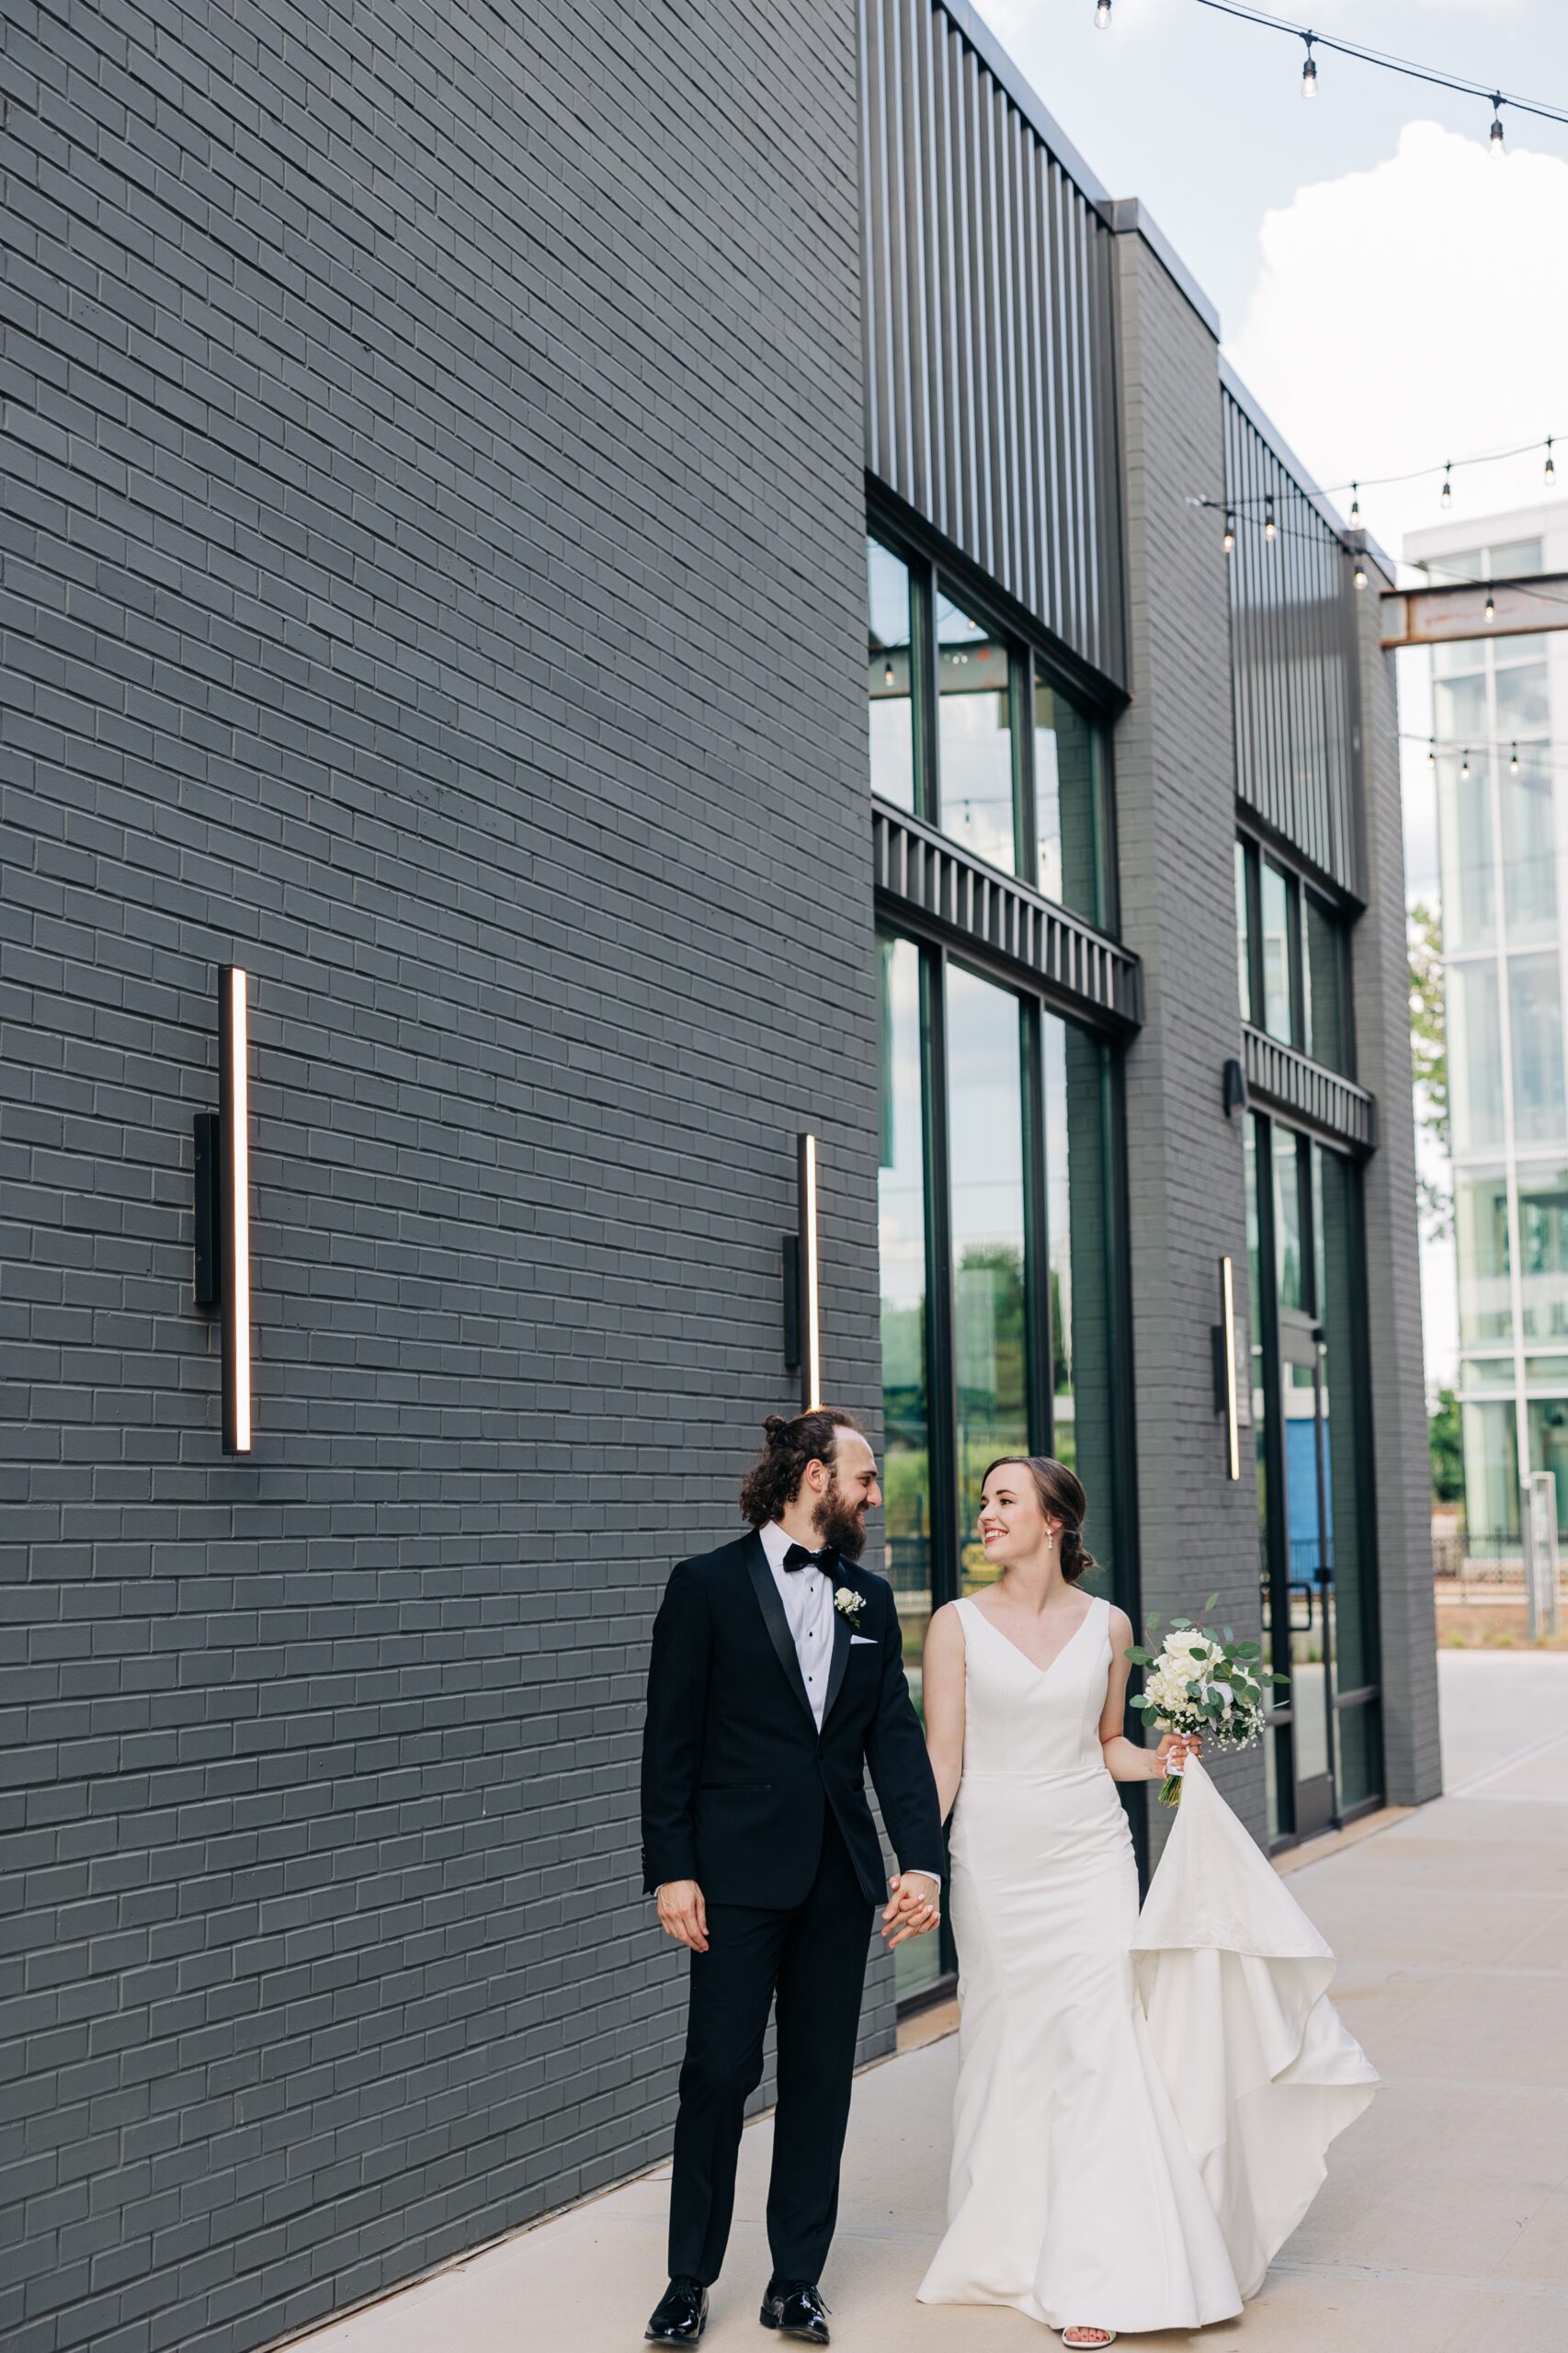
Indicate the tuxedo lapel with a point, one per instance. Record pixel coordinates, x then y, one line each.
779 1626
841 1638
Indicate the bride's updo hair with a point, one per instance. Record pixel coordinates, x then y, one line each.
1062 1497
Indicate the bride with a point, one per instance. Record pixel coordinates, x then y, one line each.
1142 2106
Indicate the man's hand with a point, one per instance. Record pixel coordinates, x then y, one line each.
682 1913
914 1907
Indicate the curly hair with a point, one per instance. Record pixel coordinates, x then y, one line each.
774 1480
1062 1496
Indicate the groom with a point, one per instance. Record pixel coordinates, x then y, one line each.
777 1676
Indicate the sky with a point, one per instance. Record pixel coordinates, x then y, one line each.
1393 292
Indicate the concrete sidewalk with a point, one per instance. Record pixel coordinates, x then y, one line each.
1445 2218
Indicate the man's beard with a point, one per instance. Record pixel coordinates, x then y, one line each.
838 1523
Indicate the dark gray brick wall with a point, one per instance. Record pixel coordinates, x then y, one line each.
1175 814
432 577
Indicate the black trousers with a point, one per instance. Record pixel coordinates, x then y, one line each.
812 1962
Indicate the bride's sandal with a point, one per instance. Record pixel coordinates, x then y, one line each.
1079 2340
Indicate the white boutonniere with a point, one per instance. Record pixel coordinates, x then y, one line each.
848 1603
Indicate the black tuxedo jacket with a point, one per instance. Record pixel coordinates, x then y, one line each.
735 1772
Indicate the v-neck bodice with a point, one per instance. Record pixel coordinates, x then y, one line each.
1032 1721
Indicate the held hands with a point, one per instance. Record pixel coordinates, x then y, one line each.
683 1914
914 1907
1173 1753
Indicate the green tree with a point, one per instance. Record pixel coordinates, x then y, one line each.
1448 1452
1429 1050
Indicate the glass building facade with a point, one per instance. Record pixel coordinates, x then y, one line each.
1500 816
998 1223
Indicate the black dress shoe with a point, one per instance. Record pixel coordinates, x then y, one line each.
796 2312
681 2316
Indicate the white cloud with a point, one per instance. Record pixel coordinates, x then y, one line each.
1413 312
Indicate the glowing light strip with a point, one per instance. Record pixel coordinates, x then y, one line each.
233 1080
811 1352
1232 1407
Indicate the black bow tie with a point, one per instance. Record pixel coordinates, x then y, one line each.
797 1557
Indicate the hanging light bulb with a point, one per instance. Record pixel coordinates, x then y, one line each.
1513 761
1102 14
1431 756
1448 497
887 673
1491 607
1360 573
1464 766
1229 541
1551 465
1270 528
1355 503
1495 136
1309 71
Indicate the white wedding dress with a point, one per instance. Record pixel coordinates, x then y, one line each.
1144 2104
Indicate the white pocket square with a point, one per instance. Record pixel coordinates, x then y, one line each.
868 1641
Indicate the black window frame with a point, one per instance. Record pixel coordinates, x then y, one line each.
1032 660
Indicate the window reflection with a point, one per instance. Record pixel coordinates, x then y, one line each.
1475 1057
976 784
1244 935
1069 794
1480 1233
986 1153
1543 1258
1276 959
1287 1251
1535 1016
890 602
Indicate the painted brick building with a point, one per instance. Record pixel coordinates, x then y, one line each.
450 461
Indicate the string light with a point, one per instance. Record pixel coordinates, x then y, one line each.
1491 607
1464 766
1432 753
1102 14
1270 528
1513 761
1551 465
888 675
1385 59
1360 573
1229 541
1448 497
1355 505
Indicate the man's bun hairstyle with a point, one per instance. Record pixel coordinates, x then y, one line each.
774 1480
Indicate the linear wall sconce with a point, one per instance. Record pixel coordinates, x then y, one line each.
802 1279
1227 1378
222 1207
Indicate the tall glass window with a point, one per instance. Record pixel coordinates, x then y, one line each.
1278 958
971 730
1475 1057
1078 1106
1491 1469
1543 1259
989 1218
1288 1254
902 1246
1535 1016
890 674
1347 1599
1069 802
1326 988
1244 934
1481 1232
977 782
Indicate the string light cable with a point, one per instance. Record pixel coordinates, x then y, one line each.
1385 60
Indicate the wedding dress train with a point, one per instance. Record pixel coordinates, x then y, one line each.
1143 2103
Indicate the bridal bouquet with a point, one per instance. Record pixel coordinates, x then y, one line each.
1201 1683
